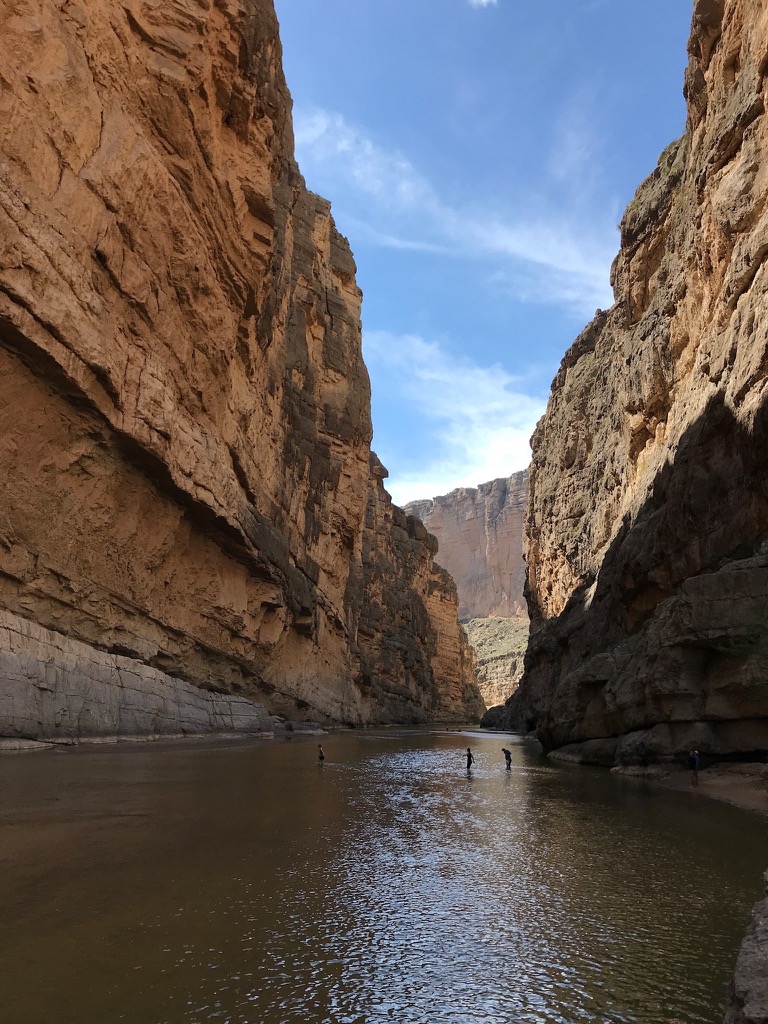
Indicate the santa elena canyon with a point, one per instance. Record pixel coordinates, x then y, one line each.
238 684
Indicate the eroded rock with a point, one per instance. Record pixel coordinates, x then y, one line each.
184 410
479 532
748 995
647 526
480 536
499 645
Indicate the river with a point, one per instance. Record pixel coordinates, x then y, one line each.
242 882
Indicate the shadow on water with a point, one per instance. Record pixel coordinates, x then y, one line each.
248 884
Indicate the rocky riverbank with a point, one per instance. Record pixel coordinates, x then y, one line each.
743 785
748 994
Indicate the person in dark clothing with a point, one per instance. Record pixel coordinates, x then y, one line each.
470 759
507 757
320 754
693 767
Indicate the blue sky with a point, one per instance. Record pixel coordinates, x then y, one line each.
478 155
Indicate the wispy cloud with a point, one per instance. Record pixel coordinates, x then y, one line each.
365 232
560 256
483 3
325 137
479 417
573 152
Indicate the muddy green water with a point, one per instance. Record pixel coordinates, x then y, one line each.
245 883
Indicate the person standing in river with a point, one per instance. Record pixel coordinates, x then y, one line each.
470 759
320 754
507 757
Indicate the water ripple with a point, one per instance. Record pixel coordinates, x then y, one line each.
389 885
485 899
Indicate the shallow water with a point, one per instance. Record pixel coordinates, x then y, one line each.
244 883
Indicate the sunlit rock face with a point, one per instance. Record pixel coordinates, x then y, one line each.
184 410
499 645
647 526
480 536
479 531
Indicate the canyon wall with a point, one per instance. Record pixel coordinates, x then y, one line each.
479 531
647 526
184 410
480 536
499 645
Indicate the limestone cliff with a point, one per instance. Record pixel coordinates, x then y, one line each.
184 411
479 531
480 536
499 645
647 526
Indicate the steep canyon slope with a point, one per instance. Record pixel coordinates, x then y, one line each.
480 536
647 529
190 501
479 531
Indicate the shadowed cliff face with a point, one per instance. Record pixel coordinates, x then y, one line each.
185 416
648 517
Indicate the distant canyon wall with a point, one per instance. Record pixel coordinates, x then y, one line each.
479 531
499 645
647 526
480 536
184 410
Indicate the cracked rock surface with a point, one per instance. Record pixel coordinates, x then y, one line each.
479 531
184 410
647 524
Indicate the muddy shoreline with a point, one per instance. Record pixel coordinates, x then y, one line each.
743 785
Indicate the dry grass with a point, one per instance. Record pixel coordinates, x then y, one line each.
496 637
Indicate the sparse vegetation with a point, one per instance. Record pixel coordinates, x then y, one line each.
495 637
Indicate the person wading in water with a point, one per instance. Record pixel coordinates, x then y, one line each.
470 759
320 754
507 757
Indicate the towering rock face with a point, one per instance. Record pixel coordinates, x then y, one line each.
184 411
480 536
647 531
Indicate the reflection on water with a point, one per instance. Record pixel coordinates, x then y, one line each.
248 884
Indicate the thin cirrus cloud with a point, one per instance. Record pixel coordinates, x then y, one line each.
574 154
558 257
326 142
483 3
478 417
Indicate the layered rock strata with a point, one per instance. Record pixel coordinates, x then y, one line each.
480 536
86 692
184 411
647 526
499 645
